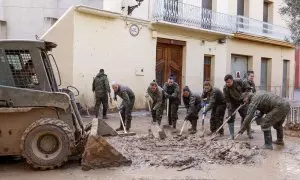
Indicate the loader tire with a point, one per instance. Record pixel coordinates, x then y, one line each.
47 143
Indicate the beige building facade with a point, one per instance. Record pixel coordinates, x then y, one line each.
183 38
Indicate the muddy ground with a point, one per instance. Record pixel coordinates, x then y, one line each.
184 152
292 130
187 158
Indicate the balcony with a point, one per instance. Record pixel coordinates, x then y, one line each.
187 15
172 11
260 28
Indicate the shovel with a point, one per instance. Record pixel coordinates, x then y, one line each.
126 133
227 119
180 134
156 130
203 117
168 103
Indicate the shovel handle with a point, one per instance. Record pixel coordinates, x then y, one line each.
122 122
203 116
228 118
182 127
168 103
148 105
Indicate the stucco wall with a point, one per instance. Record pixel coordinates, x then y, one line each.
62 34
277 55
277 18
106 43
101 42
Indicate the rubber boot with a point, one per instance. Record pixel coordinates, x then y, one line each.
231 130
194 127
159 122
268 140
120 128
174 124
97 114
279 140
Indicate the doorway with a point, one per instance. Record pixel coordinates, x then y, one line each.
169 61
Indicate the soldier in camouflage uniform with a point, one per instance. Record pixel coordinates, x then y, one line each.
157 95
102 90
192 102
276 110
250 81
233 90
127 104
216 103
171 90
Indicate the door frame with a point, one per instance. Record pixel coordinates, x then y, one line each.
162 42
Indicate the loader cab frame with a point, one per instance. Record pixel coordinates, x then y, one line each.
21 65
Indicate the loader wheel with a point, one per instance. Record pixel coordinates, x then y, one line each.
47 143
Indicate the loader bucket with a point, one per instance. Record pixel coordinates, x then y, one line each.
98 153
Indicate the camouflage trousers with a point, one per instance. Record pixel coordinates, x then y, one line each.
126 112
276 118
217 117
173 113
242 111
101 100
157 114
193 118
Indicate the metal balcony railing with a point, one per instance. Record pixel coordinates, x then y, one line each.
260 28
184 14
172 11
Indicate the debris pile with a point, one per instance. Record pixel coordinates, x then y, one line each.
188 152
292 130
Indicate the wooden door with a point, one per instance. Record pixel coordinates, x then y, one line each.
207 68
168 62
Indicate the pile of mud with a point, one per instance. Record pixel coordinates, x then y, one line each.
292 130
191 151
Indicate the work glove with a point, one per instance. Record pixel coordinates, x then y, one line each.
147 96
240 132
167 95
120 107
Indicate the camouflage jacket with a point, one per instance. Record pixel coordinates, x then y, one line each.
172 91
264 102
157 97
192 103
101 85
126 94
214 98
233 94
250 84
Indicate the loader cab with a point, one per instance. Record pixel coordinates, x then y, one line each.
27 64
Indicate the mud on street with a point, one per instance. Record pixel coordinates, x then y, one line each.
188 157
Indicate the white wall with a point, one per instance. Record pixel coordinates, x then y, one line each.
258 50
106 43
277 18
222 6
25 18
62 33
